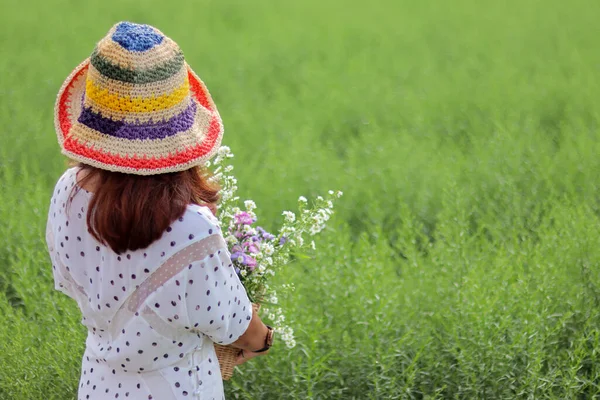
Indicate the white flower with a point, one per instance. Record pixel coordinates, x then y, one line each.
289 216
319 198
243 273
207 164
330 192
231 239
329 204
314 229
250 205
339 194
224 151
249 230
302 199
313 245
268 248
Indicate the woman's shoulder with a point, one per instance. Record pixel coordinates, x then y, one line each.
200 217
66 181
196 224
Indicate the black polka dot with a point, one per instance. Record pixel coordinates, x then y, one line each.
173 244
191 236
156 305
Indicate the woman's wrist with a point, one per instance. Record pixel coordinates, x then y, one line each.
268 340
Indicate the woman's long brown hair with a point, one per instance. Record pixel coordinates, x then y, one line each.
129 212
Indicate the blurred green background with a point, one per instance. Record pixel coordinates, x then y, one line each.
463 260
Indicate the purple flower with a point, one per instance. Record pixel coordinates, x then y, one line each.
251 247
244 218
250 262
246 260
238 256
266 235
283 240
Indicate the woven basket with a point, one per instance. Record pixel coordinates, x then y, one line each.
228 354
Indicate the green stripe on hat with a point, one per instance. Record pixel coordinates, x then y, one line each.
154 74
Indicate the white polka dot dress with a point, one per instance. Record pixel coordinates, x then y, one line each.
152 315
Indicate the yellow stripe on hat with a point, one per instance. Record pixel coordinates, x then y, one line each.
104 98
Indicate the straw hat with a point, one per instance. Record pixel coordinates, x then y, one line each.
135 106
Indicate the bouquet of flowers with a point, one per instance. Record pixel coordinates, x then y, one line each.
257 254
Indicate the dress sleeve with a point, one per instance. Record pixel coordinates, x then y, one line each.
58 269
201 291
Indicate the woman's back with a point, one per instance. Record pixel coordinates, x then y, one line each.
152 314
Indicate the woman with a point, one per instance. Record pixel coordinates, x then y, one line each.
131 229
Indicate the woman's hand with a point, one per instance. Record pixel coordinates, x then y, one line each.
245 355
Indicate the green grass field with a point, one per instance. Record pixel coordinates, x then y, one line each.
464 259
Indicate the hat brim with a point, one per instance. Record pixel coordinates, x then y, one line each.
66 113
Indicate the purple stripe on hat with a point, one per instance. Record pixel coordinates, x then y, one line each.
147 131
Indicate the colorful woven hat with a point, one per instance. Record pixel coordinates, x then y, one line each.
135 106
